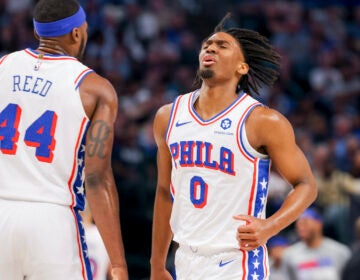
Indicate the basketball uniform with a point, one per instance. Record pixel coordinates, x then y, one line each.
215 175
42 145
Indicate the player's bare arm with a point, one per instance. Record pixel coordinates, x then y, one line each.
162 234
269 132
100 103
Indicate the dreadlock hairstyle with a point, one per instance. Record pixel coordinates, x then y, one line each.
263 60
53 10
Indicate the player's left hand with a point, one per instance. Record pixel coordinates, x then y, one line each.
254 233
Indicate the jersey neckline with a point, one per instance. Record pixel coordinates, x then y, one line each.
193 97
48 56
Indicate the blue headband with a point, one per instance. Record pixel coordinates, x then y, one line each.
60 27
312 214
277 241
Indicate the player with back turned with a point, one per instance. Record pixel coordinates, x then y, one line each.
215 148
56 136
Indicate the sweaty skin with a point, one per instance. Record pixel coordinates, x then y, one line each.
101 105
222 64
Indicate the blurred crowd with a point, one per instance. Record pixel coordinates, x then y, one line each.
148 49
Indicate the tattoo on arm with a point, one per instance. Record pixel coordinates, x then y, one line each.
98 133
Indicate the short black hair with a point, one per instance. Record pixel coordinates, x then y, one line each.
262 58
53 10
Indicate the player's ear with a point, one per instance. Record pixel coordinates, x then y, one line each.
75 34
243 68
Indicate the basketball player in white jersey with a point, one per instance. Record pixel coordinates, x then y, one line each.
56 135
215 147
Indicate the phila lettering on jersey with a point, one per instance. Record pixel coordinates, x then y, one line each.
215 174
42 128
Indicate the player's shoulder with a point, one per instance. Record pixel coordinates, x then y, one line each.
163 114
97 84
264 119
6 57
164 110
266 114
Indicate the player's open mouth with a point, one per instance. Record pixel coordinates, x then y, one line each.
208 60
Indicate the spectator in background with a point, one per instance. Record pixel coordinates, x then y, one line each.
301 30
351 270
314 257
334 193
276 246
354 183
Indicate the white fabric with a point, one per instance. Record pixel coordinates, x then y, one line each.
37 86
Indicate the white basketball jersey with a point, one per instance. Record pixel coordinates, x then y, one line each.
216 174
42 128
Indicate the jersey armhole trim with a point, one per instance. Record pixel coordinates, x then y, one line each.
3 58
173 112
81 77
247 150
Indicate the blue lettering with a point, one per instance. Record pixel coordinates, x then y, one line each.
26 83
16 80
46 88
174 149
199 150
226 161
183 154
186 157
35 85
208 152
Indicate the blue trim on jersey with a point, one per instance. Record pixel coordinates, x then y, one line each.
255 264
262 187
217 115
171 115
242 126
78 184
84 248
171 197
82 78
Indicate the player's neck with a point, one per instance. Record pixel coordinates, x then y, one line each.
213 100
51 47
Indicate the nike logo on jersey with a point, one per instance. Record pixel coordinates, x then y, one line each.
181 123
221 263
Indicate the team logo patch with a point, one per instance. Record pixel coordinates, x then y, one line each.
225 123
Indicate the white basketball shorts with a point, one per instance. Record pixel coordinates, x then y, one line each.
41 241
199 264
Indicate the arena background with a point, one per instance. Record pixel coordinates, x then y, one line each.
148 49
